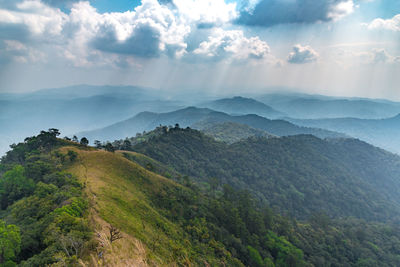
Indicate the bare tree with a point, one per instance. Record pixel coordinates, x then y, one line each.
71 244
115 234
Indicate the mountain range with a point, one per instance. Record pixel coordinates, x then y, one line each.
197 117
303 106
380 132
74 109
241 106
94 109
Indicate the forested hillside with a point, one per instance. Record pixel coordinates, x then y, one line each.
296 175
67 204
229 132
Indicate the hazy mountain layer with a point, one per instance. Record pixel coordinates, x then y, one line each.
147 121
381 132
315 107
73 109
242 106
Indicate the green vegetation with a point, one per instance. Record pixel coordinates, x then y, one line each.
44 207
10 244
127 143
230 132
65 204
296 175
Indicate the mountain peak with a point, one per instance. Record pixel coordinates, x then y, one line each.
242 105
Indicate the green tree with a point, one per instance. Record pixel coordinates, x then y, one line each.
126 145
14 185
84 141
255 258
10 243
97 144
109 147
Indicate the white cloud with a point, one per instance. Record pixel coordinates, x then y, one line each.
232 43
12 50
341 9
378 56
147 31
39 18
302 54
86 37
392 24
375 56
206 12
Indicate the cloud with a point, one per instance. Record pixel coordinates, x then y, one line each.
302 54
392 24
148 31
36 17
266 13
85 37
144 42
222 44
12 50
206 13
375 56
378 56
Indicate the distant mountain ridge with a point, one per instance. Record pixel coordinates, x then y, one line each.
190 116
241 105
316 107
74 109
380 132
80 108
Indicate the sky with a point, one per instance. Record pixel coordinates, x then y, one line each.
330 47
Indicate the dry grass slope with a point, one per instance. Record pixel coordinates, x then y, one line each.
119 191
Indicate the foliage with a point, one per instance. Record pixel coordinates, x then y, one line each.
46 204
140 137
84 141
46 211
296 175
229 132
10 242
14 185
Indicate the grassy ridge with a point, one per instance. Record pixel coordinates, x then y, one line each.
121 193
